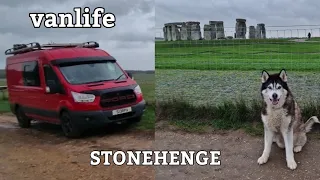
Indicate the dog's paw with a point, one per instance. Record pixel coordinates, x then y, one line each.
292 164
263 159
297 149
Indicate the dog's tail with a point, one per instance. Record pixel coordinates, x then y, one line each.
308 125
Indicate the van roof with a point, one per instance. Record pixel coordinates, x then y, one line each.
55 51
62 53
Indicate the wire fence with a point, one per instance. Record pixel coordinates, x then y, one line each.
298 31
213 71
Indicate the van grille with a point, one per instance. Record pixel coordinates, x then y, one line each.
117 98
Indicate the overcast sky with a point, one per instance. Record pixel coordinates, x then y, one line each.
270 12
131 41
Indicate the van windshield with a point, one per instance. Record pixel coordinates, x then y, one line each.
92 72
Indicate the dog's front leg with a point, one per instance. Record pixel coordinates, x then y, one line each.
268 139
288 142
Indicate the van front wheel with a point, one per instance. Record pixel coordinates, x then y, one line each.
69 128
23 120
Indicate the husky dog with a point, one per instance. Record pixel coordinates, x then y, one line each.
281 117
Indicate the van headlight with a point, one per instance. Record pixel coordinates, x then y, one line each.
137 90
80 97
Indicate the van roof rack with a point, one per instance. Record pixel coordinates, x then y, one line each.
34 46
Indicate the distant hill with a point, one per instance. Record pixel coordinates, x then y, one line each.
2 74
144 72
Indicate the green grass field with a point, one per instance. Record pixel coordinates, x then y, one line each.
205 87
4 105
146 81
216 83
239 54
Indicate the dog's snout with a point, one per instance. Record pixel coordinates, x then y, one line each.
274 96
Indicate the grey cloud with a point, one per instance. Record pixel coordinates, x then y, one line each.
119 7
123 7
17 3
134 27
21 23
271 12
128 36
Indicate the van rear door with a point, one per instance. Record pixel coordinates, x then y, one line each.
30 97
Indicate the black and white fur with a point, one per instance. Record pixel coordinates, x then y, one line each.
281 117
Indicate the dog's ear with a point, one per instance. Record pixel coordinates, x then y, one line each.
283 75
264 76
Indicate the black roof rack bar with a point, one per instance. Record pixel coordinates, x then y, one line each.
55 45
22 48
90 44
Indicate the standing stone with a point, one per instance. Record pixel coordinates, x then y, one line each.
207 32
169 33
175 32
261 31
241 28
164 29
213 25
220 30
184 32
258 32
178 32
252 32
195 30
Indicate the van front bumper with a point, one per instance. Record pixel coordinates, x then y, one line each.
85 119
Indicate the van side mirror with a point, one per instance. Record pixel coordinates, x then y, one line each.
130 75
52 87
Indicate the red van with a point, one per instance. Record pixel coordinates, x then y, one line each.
76 85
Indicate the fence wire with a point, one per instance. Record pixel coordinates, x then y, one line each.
213 71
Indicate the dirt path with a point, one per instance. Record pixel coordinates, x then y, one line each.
42 152
239 155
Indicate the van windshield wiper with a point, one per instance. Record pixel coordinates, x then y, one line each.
119 77
103 80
